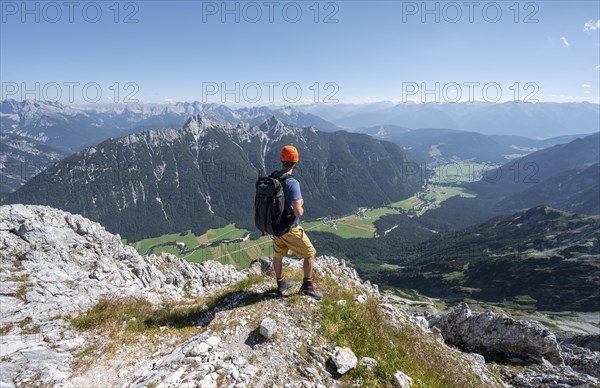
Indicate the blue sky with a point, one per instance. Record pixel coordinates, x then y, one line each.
366 51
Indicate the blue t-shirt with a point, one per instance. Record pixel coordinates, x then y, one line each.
291 190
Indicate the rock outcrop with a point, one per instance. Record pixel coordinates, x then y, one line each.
498 337
529 354
54 265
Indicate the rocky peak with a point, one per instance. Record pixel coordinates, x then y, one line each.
275 129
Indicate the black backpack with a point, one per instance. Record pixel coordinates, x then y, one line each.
270 215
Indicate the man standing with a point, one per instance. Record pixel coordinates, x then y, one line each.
295 239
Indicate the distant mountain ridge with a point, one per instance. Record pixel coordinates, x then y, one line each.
202 176
71 128
533 120
445 145
542 253
522 173
74 127
21 158
576 191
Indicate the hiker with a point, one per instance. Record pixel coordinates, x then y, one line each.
283 223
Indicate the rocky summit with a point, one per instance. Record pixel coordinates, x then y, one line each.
80 309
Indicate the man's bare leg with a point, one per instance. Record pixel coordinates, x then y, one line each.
308 265
278 266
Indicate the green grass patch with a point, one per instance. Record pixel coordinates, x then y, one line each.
364 328
112 315
21 292
27 327
458 276
5 329
342 228
228 232
167 249
84 353
460 172
17 278
190 240
407 204
470 290
524 299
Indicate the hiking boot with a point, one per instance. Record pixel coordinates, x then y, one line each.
309 289
283 285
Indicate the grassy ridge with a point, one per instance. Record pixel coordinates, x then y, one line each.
361 326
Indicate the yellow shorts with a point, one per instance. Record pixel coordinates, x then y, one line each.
296 241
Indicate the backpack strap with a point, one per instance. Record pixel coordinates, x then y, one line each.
281 178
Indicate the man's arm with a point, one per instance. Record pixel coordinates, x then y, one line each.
298 209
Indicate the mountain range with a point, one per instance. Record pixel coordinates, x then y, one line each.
21 158
532 171
443 145
542 257
74 127
202 175
545 255
533 120
57 130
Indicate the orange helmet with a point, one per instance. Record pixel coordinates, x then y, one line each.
289 154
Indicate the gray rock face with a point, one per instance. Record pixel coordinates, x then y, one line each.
498 337
55 264
545 376
368 362
581 359
590 341
344 359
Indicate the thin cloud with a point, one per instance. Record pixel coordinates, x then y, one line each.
591 26
586 86
597 66
565 41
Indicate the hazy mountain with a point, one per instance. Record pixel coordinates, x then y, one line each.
384 131
60 126
576 191
72 128
521 143
543 255
21 158
334 112
534 120
523 173
445 145
203 175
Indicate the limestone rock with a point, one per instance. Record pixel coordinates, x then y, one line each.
344 359
498 336
402 380
368 362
